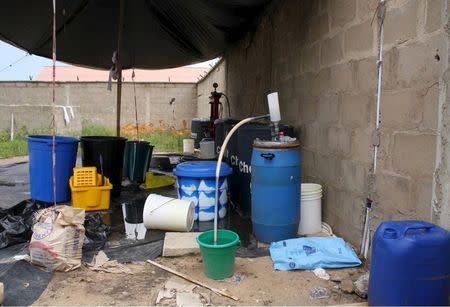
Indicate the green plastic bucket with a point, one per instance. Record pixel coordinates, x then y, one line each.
137 160
218 260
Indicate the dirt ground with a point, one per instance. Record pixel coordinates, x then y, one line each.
260 285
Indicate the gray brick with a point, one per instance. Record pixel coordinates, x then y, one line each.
331 50
342 12
414 154
400 24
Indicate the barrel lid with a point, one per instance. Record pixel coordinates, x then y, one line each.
201 169
276 144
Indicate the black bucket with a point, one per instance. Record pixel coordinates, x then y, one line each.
134 211
111 148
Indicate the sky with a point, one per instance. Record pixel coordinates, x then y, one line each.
24 67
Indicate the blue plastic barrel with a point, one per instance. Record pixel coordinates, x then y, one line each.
410 264
41 171
275 190
196 182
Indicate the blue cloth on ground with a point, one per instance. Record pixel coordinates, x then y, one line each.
311 253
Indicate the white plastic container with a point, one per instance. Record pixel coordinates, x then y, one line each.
167 213
207 149
311 209
188 145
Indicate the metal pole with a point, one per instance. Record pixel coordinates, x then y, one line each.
119 66
12 127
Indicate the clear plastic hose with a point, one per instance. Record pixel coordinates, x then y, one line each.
219 163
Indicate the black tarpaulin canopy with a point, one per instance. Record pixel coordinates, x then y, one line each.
155 33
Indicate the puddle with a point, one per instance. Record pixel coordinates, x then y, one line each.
126 218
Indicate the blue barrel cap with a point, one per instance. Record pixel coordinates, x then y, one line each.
203 169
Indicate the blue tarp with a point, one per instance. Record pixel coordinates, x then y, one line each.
311 253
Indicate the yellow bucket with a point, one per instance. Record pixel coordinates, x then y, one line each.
91 198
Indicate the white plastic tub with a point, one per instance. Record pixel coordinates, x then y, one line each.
311 209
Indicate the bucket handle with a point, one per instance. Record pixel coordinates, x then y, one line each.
268 156
426 227
165 203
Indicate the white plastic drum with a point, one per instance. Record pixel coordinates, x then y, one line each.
207 149
167 213
188 145
311 209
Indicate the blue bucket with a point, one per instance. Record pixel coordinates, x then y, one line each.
41 174
196 182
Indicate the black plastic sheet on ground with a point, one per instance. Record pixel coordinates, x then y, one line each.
16 223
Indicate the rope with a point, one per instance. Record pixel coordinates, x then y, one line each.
53 103
135 105
15 62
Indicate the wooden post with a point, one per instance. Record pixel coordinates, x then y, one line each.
119 66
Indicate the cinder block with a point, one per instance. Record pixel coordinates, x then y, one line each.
362 147
400 23
390 69
366 8
342 77
331 50
354 175
310 60
308 161
339 140
359 38
355 110
307 111
366 74
414 154
401 109
434 15
423 198
342 12
394 193
180 243
319 82
318 27
328 108
329 169
309 135
430 108
417 62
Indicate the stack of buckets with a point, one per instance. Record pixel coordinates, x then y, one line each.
311 212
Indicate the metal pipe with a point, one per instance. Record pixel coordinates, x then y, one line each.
381 11
119 67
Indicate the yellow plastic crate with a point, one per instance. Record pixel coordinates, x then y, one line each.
85 176
91 198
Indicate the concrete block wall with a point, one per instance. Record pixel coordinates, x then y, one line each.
205 87
321 58
96 105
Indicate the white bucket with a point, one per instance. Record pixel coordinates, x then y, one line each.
207 149
311 209
188 145
167 213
